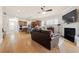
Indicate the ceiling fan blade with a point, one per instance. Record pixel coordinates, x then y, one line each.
48 10
43 8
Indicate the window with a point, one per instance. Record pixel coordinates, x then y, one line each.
13 24
51 22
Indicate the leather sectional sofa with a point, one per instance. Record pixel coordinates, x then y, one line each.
42 37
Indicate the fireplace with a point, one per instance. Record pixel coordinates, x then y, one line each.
69 33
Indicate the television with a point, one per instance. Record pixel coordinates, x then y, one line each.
70 17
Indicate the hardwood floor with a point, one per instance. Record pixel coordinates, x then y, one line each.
24 44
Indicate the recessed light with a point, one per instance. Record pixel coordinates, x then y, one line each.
18 10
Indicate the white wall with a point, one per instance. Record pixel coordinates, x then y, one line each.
5 23
51 23
1 34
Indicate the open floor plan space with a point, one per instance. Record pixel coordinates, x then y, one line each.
39 29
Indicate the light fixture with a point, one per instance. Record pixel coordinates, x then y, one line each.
44 12
18 10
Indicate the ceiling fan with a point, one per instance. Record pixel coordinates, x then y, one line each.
44 10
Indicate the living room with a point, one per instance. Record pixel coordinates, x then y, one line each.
18 18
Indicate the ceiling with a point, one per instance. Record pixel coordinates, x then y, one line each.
32 12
